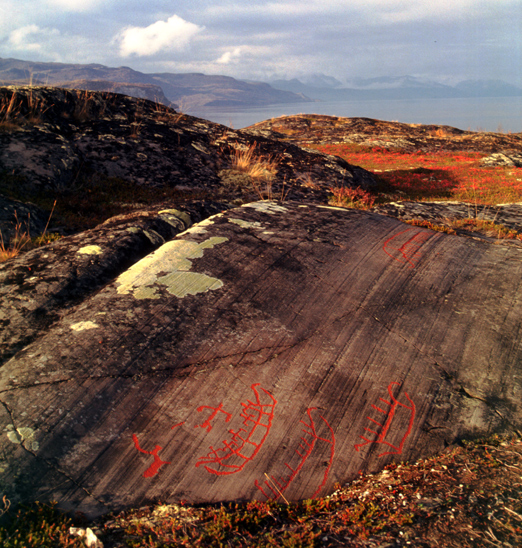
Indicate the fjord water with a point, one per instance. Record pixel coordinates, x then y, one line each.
476 114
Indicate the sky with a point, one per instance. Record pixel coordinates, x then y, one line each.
442 40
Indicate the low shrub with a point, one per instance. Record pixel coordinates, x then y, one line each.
352 197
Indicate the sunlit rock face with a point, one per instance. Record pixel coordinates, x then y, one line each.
274 349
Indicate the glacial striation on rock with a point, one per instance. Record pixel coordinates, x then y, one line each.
316 343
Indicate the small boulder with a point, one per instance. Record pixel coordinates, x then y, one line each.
506 159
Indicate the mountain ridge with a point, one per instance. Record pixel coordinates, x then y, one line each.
396 87
192 91
189 90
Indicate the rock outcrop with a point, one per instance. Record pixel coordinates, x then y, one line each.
271 350
318 128
17 218
447 214
205 352
61 140
503 159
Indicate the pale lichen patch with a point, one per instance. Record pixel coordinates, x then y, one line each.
267 207
91 250
332 207
169 266
83 326
23 435
183 215
245 224
200 228
154 237
182 284
195 230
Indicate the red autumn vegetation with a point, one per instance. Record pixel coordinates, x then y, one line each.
434 175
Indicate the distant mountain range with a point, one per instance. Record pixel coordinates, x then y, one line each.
194 91
325 88
189 91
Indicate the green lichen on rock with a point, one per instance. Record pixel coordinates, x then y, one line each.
91 250
267 207
23 435
245 224
183 215
170 267
83 326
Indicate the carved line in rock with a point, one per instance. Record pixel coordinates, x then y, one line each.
386 428
405 247
153 469
235 453
207 425
282 483
246 442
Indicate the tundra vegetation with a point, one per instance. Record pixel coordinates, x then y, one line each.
417 176
466 497
432 176
428 176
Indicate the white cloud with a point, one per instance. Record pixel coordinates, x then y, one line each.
228 56
31 37
175 33
19 37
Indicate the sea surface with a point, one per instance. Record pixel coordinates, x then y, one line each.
499 114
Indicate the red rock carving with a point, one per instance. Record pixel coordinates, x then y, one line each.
394 406
153 469
246 442
208 423
304 450
405 247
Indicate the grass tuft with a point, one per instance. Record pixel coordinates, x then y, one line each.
19 109
37 525
20 239
247 160
260 170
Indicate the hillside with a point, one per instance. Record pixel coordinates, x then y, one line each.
188 90
312 129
